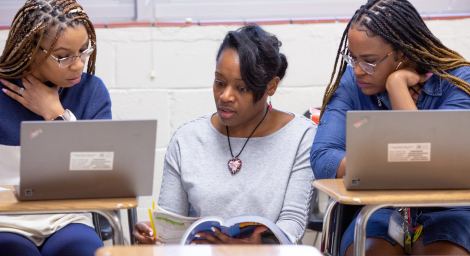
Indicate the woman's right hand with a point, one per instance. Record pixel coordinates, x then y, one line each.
143 233
37 97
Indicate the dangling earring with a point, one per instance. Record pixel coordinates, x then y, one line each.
401 62
270 105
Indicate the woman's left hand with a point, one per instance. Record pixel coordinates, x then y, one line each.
221 238
37 97
404 87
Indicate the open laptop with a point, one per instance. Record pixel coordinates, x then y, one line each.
87 159
426 149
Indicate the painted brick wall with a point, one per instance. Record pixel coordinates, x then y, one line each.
183 59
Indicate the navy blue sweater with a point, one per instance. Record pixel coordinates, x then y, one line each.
88 99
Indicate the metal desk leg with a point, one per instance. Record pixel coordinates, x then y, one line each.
360 228
96 224
113 220
327 221
132 219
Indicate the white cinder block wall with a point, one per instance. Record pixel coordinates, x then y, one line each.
183 59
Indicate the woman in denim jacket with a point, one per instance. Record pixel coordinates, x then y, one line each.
390 60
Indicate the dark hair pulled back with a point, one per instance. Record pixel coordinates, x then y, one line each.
260 60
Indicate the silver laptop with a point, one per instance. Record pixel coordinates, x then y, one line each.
426 149
87 159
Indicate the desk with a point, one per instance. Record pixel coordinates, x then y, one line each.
9 205
207 250
376 199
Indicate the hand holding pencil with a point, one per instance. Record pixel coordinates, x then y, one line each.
144 234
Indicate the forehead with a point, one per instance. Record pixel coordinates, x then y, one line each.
69 37
228 61
361 40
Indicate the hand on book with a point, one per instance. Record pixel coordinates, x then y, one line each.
221 238
143 233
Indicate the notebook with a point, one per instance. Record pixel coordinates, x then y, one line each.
87 159
426 149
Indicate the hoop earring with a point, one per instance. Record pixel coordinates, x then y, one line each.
270 106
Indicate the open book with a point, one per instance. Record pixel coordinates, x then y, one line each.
241 226
169 227
172 228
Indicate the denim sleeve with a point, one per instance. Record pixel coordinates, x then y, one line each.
454 97
329 146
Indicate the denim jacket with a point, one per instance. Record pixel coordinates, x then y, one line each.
329 146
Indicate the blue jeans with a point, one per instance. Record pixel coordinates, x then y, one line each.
439 224
72 240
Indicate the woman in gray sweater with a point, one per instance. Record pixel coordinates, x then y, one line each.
246 158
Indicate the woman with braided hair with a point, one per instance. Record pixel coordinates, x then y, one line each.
41 76
389 60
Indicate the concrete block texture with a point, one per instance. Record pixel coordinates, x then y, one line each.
180 65
310 51
144 104
145 202
189 104
106 63
298 100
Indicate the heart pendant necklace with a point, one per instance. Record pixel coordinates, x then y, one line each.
235 164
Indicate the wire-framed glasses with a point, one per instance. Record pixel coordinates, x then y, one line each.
367 67
67 61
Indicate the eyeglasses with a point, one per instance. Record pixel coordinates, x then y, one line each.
67 61
367 67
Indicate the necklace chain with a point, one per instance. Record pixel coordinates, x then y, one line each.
228 136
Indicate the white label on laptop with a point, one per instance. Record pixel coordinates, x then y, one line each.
91 161
409 152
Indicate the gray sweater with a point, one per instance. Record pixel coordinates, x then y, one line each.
275 180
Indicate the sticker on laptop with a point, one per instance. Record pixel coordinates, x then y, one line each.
91 161
409 152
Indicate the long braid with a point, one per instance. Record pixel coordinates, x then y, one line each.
398 22
29 27
331 89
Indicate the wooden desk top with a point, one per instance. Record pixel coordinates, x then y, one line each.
10 203
206 250
335 188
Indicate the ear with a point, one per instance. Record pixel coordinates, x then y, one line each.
272 85
402 57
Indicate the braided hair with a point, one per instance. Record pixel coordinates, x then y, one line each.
398 22
31 24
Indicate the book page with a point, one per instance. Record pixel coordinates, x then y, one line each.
168 227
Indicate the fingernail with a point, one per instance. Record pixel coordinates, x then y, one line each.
429 74
192 244
213 229
150 233
197 236
4 90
